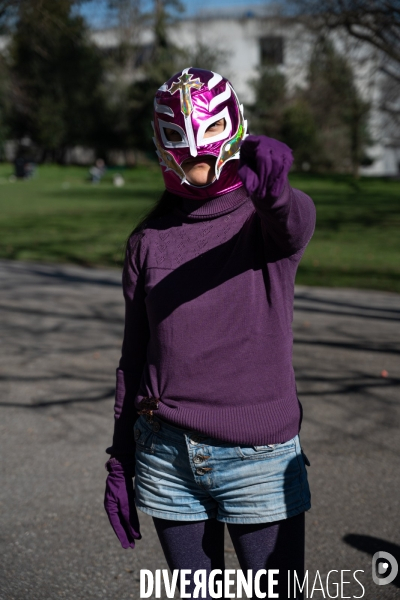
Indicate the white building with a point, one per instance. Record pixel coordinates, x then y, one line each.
244 41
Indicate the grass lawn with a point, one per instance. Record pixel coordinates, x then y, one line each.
60 217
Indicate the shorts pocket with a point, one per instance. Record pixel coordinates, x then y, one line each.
264 452
306 461
144 437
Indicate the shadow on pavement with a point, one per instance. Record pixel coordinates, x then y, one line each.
371 545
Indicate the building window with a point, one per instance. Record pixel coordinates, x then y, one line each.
271 50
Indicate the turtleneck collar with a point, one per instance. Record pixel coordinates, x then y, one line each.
213 207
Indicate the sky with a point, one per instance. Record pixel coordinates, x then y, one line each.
98 16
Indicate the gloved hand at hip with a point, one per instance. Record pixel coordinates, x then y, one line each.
264 166
119 502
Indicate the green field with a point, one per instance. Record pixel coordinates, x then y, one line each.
58 216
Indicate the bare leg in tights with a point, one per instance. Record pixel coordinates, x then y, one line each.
200 545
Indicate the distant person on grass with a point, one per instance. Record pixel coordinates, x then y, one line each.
97 171
206 412
24 167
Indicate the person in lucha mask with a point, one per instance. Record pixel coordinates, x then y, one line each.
206 411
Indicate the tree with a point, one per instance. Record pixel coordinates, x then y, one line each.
4 104
288 118
376 22
339 111
164 59
57 75
325 123
269 101
300 132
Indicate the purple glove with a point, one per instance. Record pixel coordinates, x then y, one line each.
264 166
119 502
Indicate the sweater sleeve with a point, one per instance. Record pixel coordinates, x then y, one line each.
133 357
287 215
288 220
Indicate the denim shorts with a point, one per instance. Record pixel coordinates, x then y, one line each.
186 476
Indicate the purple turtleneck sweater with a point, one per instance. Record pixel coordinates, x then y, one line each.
209 294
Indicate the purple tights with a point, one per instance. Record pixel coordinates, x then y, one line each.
200 545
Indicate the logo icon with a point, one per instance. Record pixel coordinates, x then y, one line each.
384 568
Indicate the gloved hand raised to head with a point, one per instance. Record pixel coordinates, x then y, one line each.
264 166
119 501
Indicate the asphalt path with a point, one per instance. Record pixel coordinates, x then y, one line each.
61 331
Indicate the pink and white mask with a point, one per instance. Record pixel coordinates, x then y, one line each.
189 103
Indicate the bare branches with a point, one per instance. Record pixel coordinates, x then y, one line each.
376 22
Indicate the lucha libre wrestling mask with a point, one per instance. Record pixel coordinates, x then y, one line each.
189 103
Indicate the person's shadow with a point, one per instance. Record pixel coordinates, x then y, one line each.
371 545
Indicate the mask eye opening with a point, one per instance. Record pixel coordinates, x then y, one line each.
172 135
215 123
223 135
164 127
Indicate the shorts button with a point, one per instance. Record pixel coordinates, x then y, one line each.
138 433
203 470
199 458
156 426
